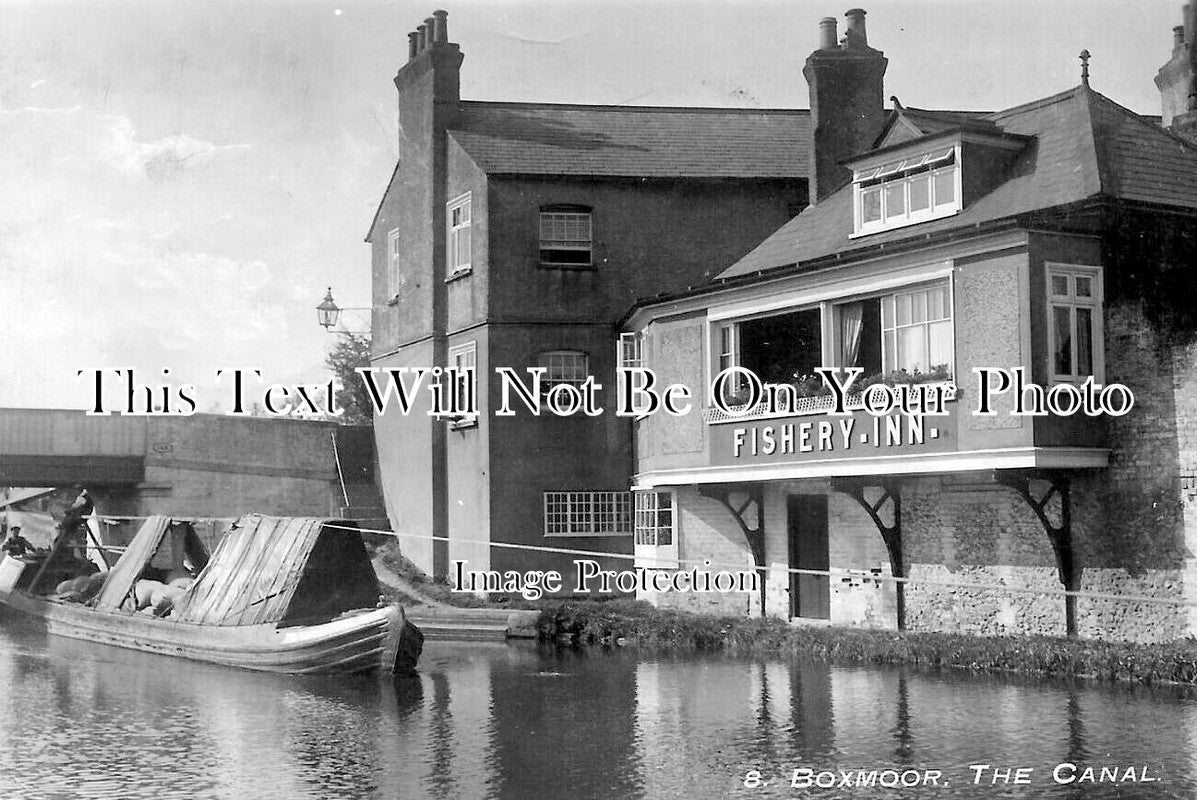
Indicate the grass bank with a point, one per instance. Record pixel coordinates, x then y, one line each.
640 624
634 623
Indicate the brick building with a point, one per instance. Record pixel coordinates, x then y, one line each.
517 235
1057 236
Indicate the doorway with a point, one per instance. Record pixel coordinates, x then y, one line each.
810 595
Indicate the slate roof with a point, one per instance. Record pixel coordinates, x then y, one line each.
1084 146
634 141
927 121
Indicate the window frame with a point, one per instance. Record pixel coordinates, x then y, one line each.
647 549
455 233
548 381
892 296
1096 305
392 267
635 342
866 179
576 513
469 349
563 245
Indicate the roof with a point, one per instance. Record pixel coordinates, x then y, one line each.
1084 146
927 121
637 141
259 571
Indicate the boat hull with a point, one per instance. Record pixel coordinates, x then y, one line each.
380 638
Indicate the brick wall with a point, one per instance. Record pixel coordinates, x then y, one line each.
707 530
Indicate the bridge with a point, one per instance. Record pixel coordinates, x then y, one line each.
57 447
204 464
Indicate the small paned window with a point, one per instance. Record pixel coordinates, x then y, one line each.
565 236
458 243
564 366
630 352
1074 324
905 191
587 513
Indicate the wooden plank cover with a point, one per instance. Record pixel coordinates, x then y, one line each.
124 573
253 573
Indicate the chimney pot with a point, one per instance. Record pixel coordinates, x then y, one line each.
442 26
827 35
413 45
429 31
422 33
856 27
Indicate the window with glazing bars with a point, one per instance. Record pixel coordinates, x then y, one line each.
654 519
587 513
565 236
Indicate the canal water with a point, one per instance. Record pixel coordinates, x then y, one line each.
80 720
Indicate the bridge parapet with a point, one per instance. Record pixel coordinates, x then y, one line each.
66 432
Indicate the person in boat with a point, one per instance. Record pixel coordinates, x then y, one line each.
72 525
15 544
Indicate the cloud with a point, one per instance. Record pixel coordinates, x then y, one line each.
74 139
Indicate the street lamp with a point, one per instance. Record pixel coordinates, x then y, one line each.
328 313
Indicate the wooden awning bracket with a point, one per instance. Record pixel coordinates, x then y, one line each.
891 533
754 495
1059 534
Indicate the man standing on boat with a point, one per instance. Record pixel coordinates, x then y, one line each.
72 525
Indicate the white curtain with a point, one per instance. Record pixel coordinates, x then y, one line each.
851 315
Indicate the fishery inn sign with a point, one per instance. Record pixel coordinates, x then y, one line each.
878 422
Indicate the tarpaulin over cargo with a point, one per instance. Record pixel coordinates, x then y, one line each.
119 583
278 569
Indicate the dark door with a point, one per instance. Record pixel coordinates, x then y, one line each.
810 595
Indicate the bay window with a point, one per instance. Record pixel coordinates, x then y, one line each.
916 330
1074 323
909 330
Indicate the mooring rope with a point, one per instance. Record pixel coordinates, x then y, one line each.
778 570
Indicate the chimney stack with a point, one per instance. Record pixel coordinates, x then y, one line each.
856 27
827 35
429 84
846 101
1177 80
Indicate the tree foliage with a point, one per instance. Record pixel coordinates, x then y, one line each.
352 350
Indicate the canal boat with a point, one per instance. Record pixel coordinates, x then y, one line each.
278 594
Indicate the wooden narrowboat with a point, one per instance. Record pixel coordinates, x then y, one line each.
278 594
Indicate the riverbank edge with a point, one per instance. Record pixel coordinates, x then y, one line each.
626 622
631 622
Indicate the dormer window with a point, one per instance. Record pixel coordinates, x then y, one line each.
906 191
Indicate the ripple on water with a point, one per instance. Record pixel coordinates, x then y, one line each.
498 721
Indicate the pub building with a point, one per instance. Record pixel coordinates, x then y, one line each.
1056 236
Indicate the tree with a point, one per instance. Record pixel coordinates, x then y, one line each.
351 351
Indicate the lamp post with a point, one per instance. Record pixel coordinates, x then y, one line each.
328 314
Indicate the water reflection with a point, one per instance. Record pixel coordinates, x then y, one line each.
498 721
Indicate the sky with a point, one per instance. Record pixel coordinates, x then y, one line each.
180 181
